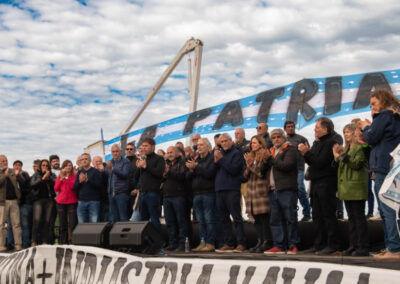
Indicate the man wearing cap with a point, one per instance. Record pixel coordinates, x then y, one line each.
281 166
9 199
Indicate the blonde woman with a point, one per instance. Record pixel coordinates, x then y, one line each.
257 201
353 189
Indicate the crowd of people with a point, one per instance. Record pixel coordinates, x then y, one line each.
267 171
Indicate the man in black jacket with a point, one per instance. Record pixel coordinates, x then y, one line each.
202 176
25 207
282 182
130 154
296 139
262 129
323 187
149 175
174 200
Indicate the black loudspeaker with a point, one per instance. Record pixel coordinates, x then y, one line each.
139 236
91 234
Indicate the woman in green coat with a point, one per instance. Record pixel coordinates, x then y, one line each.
353 189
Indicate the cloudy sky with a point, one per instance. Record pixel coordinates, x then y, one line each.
69 68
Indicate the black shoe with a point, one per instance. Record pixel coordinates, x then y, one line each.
266 245
328 251
339 215
306 219
180 249
253 249
360 252
171 248
348 251
369 215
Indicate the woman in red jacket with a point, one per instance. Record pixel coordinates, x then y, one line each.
67 200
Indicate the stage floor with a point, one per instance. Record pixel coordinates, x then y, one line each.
366 261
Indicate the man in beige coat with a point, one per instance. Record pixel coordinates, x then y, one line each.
9 199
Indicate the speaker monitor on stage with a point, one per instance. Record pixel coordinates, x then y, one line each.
91 234
139 236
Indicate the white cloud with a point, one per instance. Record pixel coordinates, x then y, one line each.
67 70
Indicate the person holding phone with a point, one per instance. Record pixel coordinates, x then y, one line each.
42 183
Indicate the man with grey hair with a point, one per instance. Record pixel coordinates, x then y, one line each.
118 172
195 138
97 163
281 167
230 163
241 143
88 187
202 176
9 199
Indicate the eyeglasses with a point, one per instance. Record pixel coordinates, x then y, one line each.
45 165
259 127
129 149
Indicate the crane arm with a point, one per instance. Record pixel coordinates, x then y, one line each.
191 45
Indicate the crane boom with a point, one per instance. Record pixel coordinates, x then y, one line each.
192 44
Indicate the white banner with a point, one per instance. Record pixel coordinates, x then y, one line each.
78 264
389 193
302 102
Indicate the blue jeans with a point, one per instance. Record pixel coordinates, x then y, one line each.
228 203
283 218
88 211
204 208
25 213
302 193
149 204
389 220
175 217
119 207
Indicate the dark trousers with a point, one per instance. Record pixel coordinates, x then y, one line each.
67 215
324 203
283 221
358 227
261 224
52 225
42 207
175 217
370 196
228 203
149 208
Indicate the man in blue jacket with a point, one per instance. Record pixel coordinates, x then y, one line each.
118 172
230 164
88 187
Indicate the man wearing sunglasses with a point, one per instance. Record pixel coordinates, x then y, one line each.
262 129
130 154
